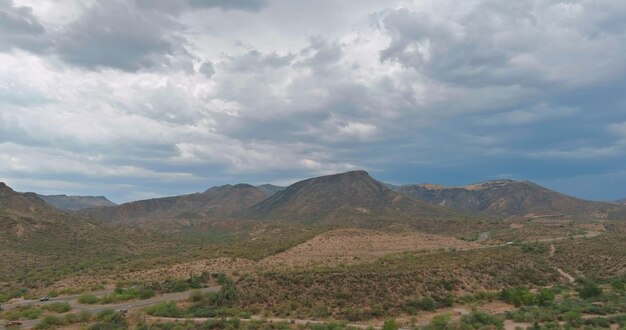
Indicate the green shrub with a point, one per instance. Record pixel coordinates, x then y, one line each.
110 321
480 320
428 304
589 290
168 309
618 285
88 299
50 322
58 307
390 325
573 318
439 322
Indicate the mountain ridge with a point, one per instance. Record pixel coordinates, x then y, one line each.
217 201
504 198
75 202
352 199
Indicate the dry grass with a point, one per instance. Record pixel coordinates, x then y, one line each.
602 256
182 270
344 246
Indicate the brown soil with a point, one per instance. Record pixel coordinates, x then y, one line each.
357 245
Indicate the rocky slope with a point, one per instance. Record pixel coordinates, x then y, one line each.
356 199
75 203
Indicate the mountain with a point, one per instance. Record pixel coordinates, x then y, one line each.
75 203
505 198
270 189
16 206
217 202
356 199
35 235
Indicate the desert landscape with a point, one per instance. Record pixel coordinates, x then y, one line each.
312 165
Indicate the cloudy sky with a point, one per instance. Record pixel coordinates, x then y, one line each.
142 98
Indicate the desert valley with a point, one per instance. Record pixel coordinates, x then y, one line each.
312 165
337 251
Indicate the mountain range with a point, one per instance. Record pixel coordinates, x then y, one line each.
355 199
75 203
352 199
216 202
265 219
505 198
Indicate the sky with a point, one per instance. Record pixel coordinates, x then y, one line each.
137 99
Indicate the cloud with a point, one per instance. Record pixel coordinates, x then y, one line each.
20 29
530 43
114 34
254 61
153 98
207 69
251 5
176 6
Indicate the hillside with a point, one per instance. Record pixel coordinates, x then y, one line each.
75 203
217 202
270 189
35 236
505 198
354 199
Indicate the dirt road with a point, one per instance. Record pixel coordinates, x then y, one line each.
94 309
257 318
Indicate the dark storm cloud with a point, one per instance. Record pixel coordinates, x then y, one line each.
124 35
114 34
19 28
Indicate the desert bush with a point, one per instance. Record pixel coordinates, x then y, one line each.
168 309
50 322
58 307
618 285
88 299
480 320
390 325
589 290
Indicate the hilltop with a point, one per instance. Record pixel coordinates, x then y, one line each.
75 203
356 199
270 189
505 198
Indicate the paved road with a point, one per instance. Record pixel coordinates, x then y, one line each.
93 309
